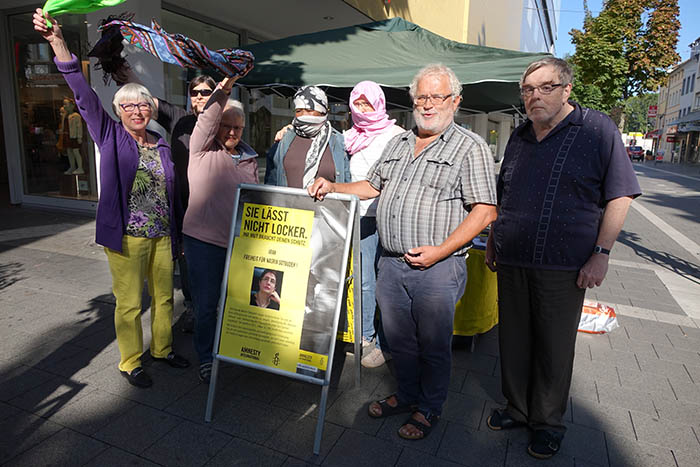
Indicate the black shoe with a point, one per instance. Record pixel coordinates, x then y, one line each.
187 321
174 360
138 377
544 444
501 420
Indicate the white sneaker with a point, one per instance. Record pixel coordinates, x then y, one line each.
78 172
375 358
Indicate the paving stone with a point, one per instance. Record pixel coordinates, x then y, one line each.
64 448
166 388
414 458
682 412
620 341
596 371
672 370
260 385
304 398
651 383
649 334
602 417
249 419
22 431
685 343
187 444
687 392
115 457
7 411
295 437
137 428
20 379
617 396
672 354
243 452
355 448
192 406
670 434
614 358
462 445
693 372
627 452
478 363
350 410
483 387
584 386
457 377
691 332
687 457
49 397
91 412
464 409
585 443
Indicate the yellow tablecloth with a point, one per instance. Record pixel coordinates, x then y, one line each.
477 310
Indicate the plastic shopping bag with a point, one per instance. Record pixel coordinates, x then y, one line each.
597 318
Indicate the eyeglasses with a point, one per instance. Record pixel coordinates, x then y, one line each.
435 99
545 89
129 108
231 127
201 92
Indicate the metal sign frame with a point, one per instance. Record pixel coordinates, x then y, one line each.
353 228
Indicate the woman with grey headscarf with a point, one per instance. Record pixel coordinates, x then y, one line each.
314 149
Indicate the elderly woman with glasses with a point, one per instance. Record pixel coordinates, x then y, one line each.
136 212
219 162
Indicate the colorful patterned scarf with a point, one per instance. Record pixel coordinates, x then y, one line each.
181 50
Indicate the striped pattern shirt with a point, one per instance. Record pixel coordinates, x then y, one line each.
423 199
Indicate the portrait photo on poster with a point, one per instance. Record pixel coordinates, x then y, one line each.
266 288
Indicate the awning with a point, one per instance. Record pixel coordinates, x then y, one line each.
389 52
653 134
690 117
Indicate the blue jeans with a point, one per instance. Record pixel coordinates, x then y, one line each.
370 250
206 263
418 314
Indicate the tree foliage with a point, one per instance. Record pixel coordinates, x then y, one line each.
627 49
636 110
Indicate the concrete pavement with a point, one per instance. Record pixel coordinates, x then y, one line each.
635 398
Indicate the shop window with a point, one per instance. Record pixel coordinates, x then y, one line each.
56 151
177 78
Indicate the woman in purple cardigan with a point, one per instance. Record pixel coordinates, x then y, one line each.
136 213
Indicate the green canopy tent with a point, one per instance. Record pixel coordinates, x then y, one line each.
388 52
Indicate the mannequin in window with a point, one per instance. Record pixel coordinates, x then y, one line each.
71 135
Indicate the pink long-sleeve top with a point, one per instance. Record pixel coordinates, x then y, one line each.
214 175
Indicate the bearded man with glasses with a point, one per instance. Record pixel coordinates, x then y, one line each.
564 189
436 192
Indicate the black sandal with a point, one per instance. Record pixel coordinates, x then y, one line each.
388 410
424 429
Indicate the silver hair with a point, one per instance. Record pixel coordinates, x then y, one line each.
133 92
236 106
436 69
562 67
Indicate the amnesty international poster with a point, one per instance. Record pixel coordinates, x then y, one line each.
285 280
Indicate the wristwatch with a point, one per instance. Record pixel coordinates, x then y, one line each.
600 250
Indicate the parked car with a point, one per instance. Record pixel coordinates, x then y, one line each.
635 153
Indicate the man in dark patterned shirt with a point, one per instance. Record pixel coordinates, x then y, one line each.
564 189
436 189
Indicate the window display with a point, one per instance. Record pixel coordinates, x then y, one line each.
56 151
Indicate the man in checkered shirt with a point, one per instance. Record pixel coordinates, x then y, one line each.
436 189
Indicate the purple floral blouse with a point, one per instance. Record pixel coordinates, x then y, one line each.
148 201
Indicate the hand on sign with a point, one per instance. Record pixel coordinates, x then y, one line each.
320 188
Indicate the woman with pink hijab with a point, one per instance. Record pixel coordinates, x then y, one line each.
365 141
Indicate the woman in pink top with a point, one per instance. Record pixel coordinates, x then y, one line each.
219 162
